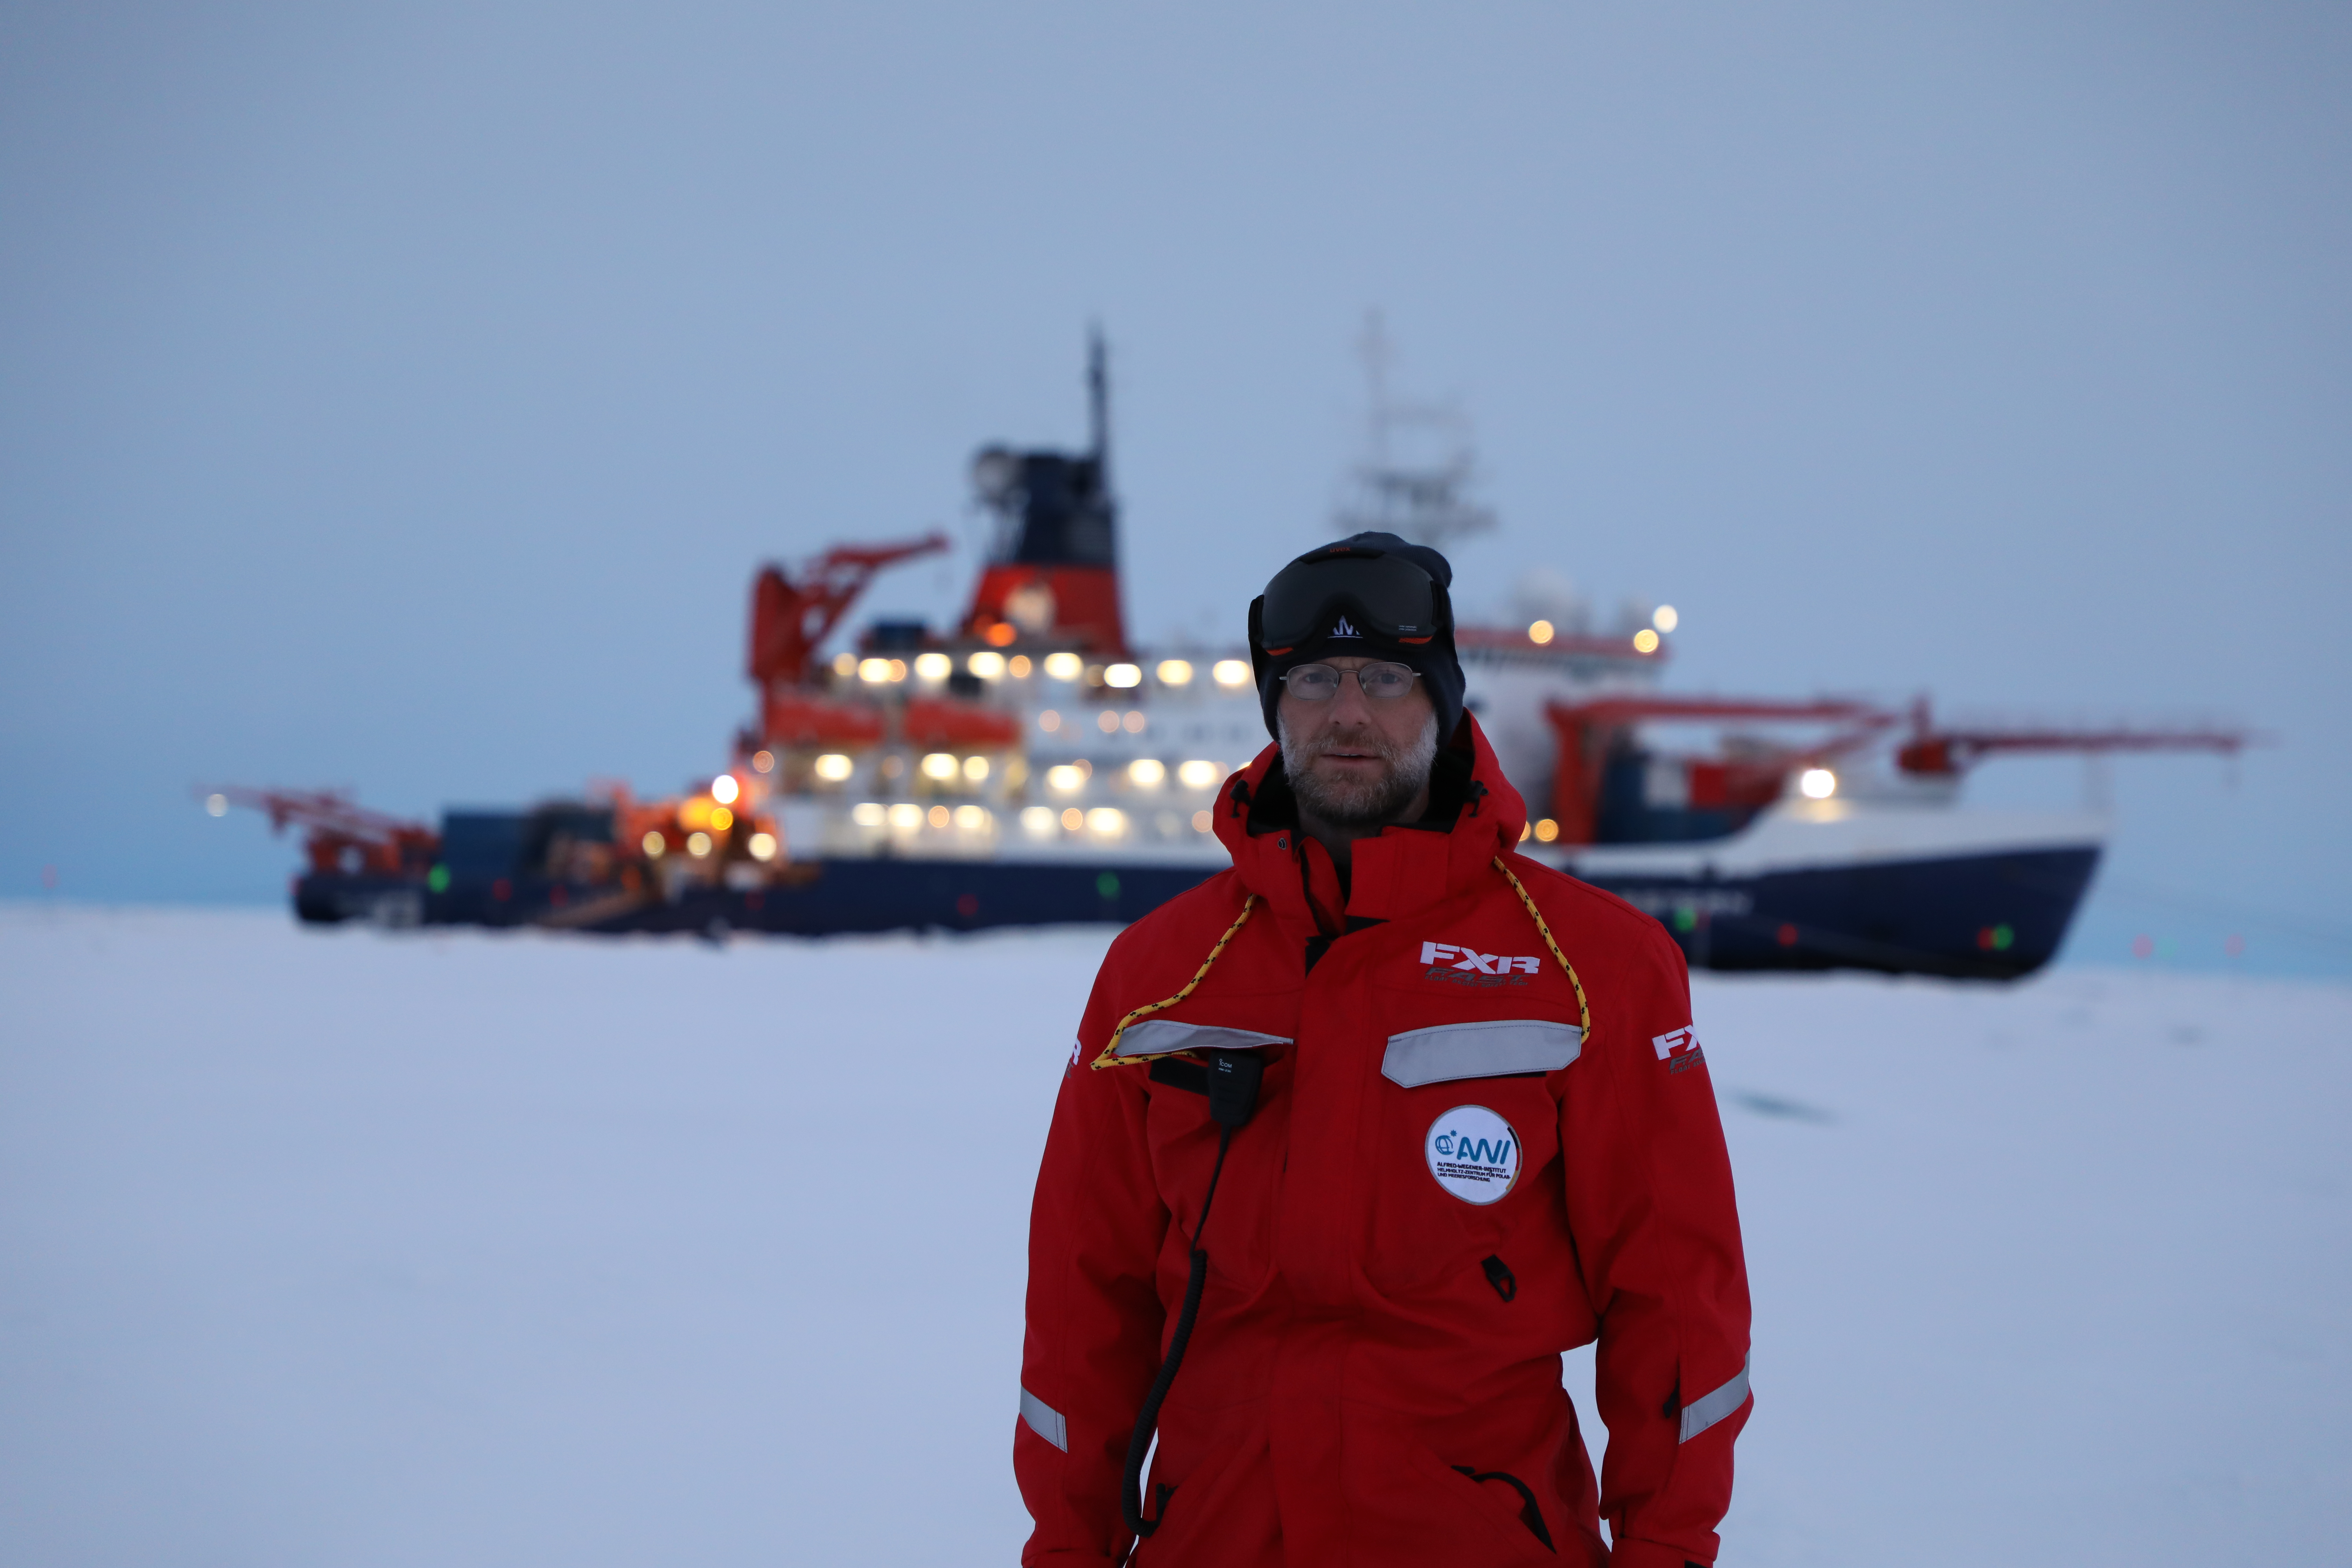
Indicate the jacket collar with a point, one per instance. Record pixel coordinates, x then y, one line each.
1475 815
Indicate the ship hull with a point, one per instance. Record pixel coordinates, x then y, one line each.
820 898
1992 914
1991 917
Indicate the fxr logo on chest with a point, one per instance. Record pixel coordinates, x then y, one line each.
1470 961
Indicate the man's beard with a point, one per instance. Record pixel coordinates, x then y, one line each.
1357 803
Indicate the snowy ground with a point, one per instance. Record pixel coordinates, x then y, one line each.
347 1248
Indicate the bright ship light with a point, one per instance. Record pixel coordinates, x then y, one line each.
941 765
834 767
1175 672
1064 776
1645 641
762 846
1540 632
1818 784
1667 618
985 663
1199 775
1147 772
906 815
874 671
1231 672
1064 666
1106 820
724 789
1123 676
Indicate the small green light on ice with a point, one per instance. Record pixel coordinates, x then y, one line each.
437 879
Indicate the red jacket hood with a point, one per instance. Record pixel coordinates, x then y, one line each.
1406 868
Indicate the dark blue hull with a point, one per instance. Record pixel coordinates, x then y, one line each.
1979 916
815 899
1993 917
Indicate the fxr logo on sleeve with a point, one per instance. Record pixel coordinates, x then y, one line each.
1679 1048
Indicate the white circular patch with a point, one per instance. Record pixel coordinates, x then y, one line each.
1474 1154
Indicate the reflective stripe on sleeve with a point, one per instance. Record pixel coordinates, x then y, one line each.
1046 1421
1701 1414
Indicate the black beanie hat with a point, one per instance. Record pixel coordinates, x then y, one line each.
1439 667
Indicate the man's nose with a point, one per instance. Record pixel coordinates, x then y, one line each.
1350 708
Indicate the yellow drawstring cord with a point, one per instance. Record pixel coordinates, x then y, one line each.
1109 1056
1583 1011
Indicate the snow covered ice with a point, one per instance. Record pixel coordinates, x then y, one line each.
354 1249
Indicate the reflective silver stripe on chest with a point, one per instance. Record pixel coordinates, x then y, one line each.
1488 1049
1157 1037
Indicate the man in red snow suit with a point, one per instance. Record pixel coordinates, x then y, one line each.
1355 1139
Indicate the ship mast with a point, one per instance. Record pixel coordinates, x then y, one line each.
1428 500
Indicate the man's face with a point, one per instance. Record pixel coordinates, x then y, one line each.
1354 762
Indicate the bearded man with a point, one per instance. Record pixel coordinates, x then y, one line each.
1450 1116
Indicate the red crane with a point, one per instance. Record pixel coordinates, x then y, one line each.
1589 731
344 836
790 618
1935 750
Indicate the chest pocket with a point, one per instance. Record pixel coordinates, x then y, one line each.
1423 1232
1486 1048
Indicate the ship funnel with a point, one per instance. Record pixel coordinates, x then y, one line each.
1052 578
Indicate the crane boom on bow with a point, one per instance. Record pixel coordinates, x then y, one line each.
790 618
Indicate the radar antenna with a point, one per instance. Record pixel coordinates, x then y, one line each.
1419 466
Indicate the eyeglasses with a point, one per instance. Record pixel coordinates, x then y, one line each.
1321 682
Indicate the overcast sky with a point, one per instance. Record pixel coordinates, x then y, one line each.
401 396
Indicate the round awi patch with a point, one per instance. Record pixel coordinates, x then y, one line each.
1474 1154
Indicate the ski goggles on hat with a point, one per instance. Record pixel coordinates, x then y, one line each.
1351 595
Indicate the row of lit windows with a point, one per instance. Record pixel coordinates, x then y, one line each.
1038 821
699 844
1665 619
1146 773
1110 721
990 665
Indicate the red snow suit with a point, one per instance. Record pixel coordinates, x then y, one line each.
1484 1136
